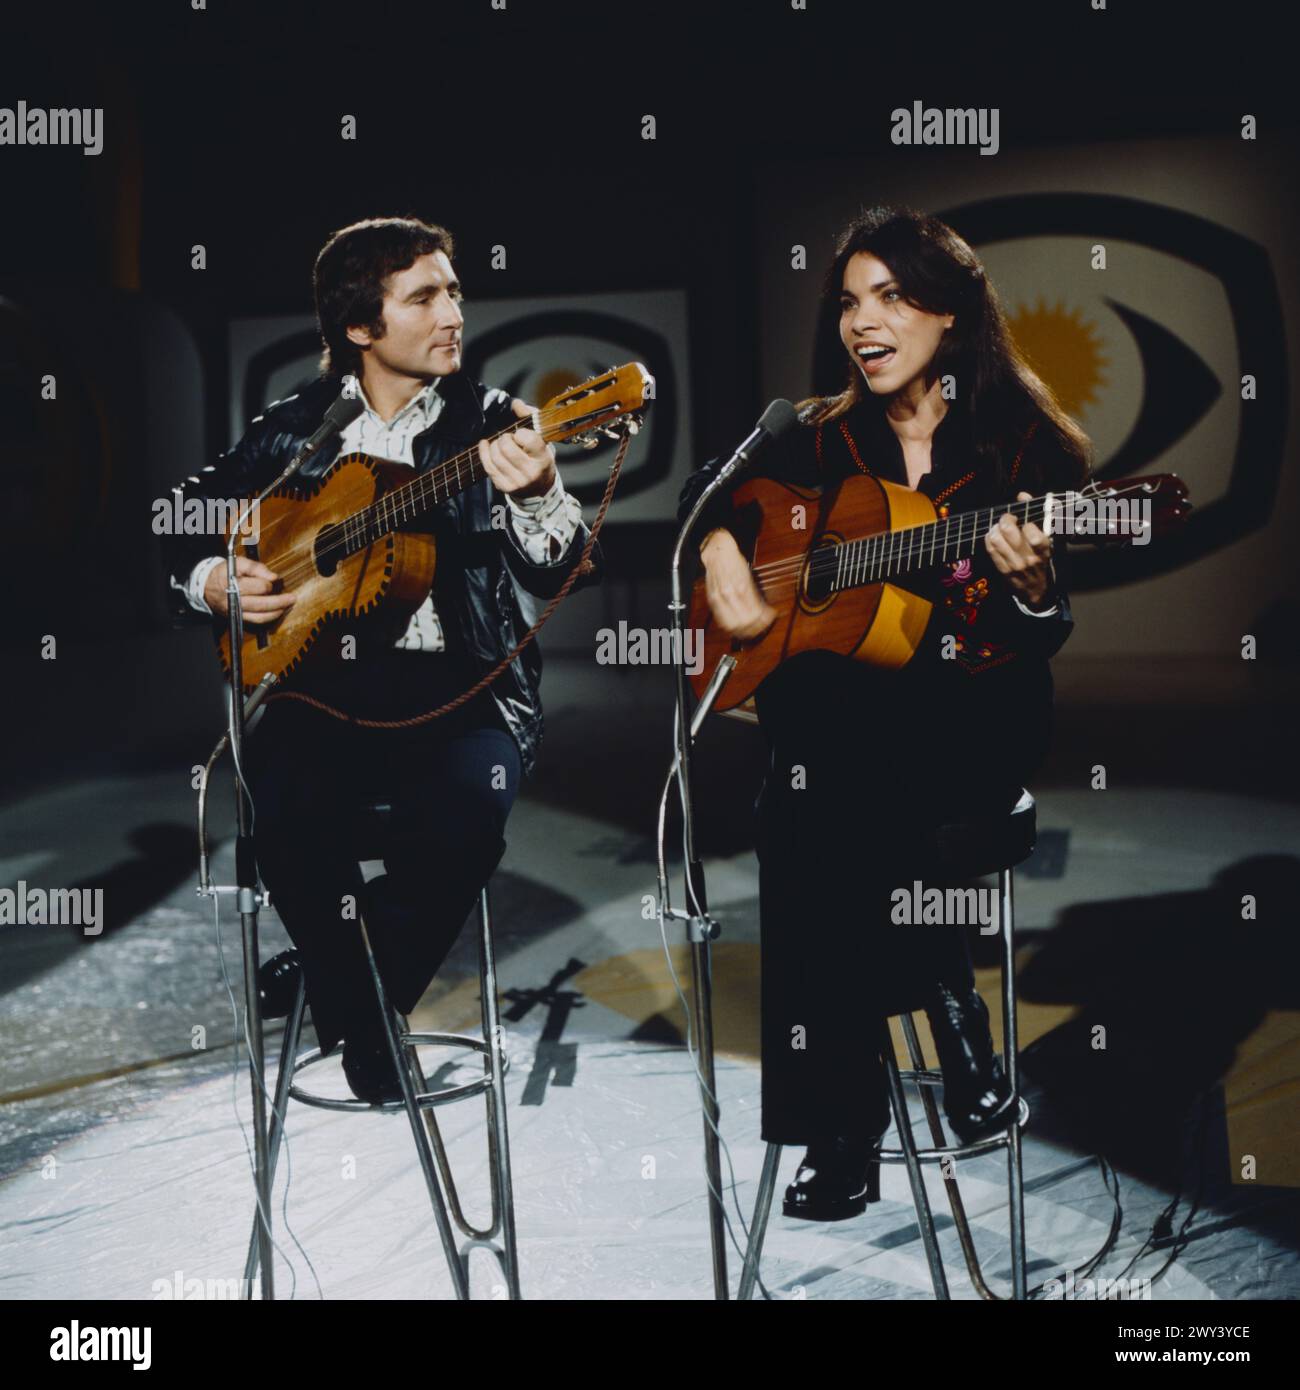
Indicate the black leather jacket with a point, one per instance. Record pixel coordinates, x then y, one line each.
481 593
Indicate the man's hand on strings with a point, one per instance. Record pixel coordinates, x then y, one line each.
260 597
522 462
1023 554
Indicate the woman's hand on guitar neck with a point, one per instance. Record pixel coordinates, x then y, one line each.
258 599
1023 554
734 599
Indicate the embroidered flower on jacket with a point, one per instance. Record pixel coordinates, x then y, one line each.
959 572
970 594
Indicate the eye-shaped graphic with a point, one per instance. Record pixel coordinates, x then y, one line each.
1113 362
1067 350
538 355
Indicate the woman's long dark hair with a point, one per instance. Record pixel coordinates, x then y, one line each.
1000 394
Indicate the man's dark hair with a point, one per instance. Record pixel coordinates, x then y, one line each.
349 280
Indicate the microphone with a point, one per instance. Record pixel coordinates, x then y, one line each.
344 410
774 421
337 418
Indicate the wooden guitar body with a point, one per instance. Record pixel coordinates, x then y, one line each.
882 624
376 589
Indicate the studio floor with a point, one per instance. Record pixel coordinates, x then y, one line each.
124 1169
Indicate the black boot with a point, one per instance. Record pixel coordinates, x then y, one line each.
368 1065
277 984
838 1178
976 1095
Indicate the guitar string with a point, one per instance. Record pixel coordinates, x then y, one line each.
782 577
864 558
878 564
862 571
1038 504
916 543
303 559
440 473
468 455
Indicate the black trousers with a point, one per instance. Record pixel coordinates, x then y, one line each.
863 760
451 784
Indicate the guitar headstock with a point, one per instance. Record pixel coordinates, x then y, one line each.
1130 511
605 404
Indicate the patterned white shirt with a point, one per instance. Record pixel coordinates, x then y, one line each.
545 525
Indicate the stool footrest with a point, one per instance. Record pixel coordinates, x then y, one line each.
922 1078
401 1046
424 1099
972 1150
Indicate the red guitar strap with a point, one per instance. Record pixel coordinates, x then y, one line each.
1024 444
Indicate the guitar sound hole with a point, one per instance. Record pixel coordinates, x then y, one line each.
819 574
328 550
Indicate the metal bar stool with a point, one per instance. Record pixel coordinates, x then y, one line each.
420 1103
960 851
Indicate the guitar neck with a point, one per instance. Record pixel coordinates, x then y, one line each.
873 559
414 499
610 404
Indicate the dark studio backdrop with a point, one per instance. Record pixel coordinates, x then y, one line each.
523 128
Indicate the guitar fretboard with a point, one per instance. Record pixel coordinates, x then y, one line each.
872 559
408 502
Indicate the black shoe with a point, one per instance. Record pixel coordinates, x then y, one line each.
976 1094
368 1066
836 1180
278 982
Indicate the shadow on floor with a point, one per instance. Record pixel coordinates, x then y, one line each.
1168 987
164 858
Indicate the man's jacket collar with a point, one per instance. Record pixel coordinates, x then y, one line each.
459 424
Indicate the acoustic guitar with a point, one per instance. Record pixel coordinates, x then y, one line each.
849 570
337 541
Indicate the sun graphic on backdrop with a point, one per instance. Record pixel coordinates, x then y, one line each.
550 383
1064 350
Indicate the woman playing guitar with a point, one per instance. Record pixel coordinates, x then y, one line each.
864 759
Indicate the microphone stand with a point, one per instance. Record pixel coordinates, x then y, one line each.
250 898
701 929
248 895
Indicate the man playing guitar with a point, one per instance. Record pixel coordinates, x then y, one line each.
389 308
